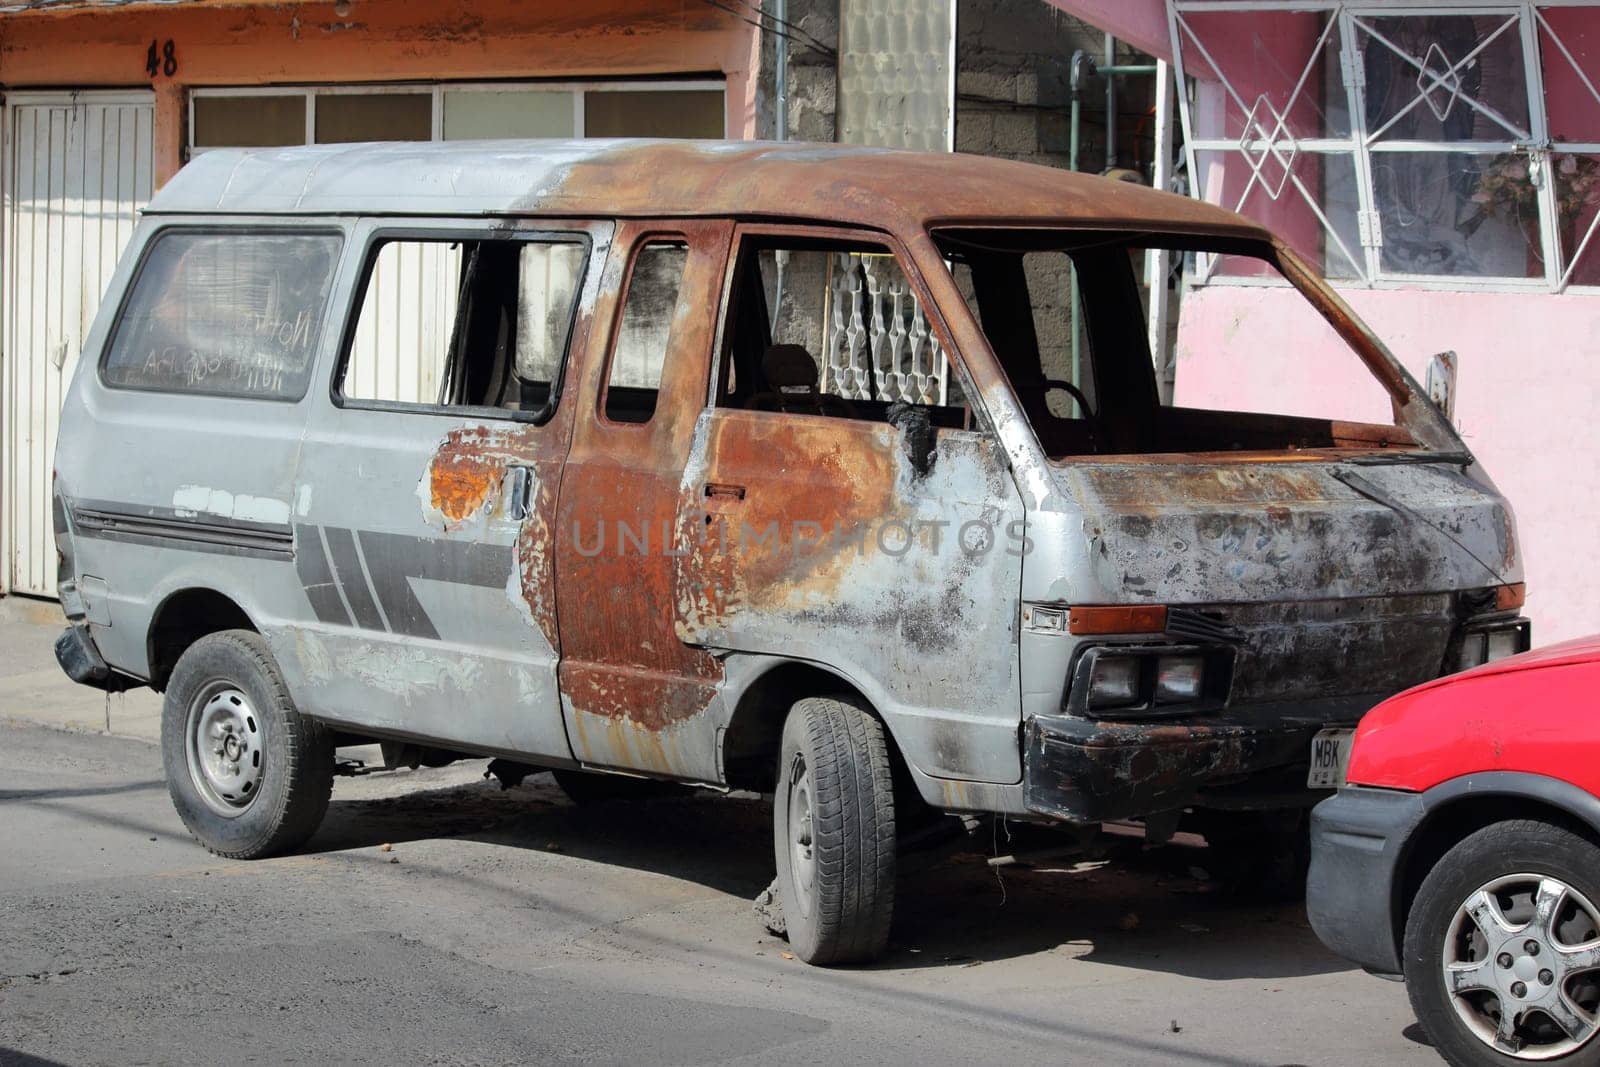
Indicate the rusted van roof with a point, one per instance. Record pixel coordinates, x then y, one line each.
847 183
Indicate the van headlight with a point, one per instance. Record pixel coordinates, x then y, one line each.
1120 680
1114 681
1487 642
1180 679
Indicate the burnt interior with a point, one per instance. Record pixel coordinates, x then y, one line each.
1118 410
482 367
480 370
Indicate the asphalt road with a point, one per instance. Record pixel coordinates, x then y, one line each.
514 927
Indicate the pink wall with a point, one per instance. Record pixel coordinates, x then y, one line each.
1526 406
1141 23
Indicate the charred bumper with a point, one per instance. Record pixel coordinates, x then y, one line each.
82 662
1082 770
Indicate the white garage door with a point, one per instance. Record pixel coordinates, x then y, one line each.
76 171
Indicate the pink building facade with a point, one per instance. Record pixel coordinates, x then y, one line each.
1440 163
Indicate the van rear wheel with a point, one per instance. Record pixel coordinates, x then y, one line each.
834 832
249 775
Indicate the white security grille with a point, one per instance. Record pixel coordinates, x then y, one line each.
878 344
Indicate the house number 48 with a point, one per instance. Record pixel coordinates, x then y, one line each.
161 59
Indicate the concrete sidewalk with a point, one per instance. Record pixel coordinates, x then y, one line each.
33 689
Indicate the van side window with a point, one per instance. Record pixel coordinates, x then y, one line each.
476 324
645 331
830 328
225 314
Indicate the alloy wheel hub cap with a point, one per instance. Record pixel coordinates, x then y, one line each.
1526 938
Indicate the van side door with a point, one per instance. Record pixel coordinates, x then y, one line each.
633 693
428 481
859 512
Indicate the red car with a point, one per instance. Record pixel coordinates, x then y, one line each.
1462 851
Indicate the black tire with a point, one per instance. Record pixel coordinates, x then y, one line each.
1507 848
840 911
296 754
591 787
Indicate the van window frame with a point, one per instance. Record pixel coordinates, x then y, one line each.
450 234
665 235
979 421
213 228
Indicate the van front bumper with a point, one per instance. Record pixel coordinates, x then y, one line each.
1081 770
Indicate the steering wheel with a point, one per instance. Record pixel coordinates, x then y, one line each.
1072 391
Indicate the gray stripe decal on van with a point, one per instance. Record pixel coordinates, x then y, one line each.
379 596
316 577
170 528
394 559
342 549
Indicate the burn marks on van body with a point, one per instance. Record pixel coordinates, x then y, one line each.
849 548
463 488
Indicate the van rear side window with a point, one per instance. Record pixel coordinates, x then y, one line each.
482 324
225 314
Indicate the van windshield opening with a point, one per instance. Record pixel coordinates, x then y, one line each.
1256 368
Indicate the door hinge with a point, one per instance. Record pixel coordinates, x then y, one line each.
1370 227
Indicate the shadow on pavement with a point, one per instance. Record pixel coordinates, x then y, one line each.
1140 908
86 791
10 1057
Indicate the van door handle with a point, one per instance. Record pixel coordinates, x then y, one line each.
723 491
521 488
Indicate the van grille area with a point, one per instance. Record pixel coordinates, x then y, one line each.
1321 649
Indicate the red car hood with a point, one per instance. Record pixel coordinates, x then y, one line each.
1519 714
1577 650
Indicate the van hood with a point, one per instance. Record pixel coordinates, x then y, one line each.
1333 578
1203 532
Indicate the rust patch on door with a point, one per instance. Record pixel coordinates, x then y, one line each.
463 484
791 544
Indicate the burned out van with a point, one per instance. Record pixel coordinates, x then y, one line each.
833 473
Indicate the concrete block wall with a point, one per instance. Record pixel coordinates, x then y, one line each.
1013 86
1013 90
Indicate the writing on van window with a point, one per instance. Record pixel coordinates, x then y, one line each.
225 314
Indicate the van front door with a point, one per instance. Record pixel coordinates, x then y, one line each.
427 487
858 513
633 694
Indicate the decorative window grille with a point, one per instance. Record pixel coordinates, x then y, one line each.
1404 143
878 342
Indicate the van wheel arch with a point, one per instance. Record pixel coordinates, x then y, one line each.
183 618
755 731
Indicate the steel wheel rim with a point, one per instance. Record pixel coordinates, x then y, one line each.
802 847
223 749
1529 942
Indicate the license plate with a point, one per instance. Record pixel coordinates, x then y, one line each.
1330 759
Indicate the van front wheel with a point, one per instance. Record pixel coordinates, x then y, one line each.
834 832
249 775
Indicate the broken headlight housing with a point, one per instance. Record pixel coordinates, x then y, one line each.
1137 681
1486 642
